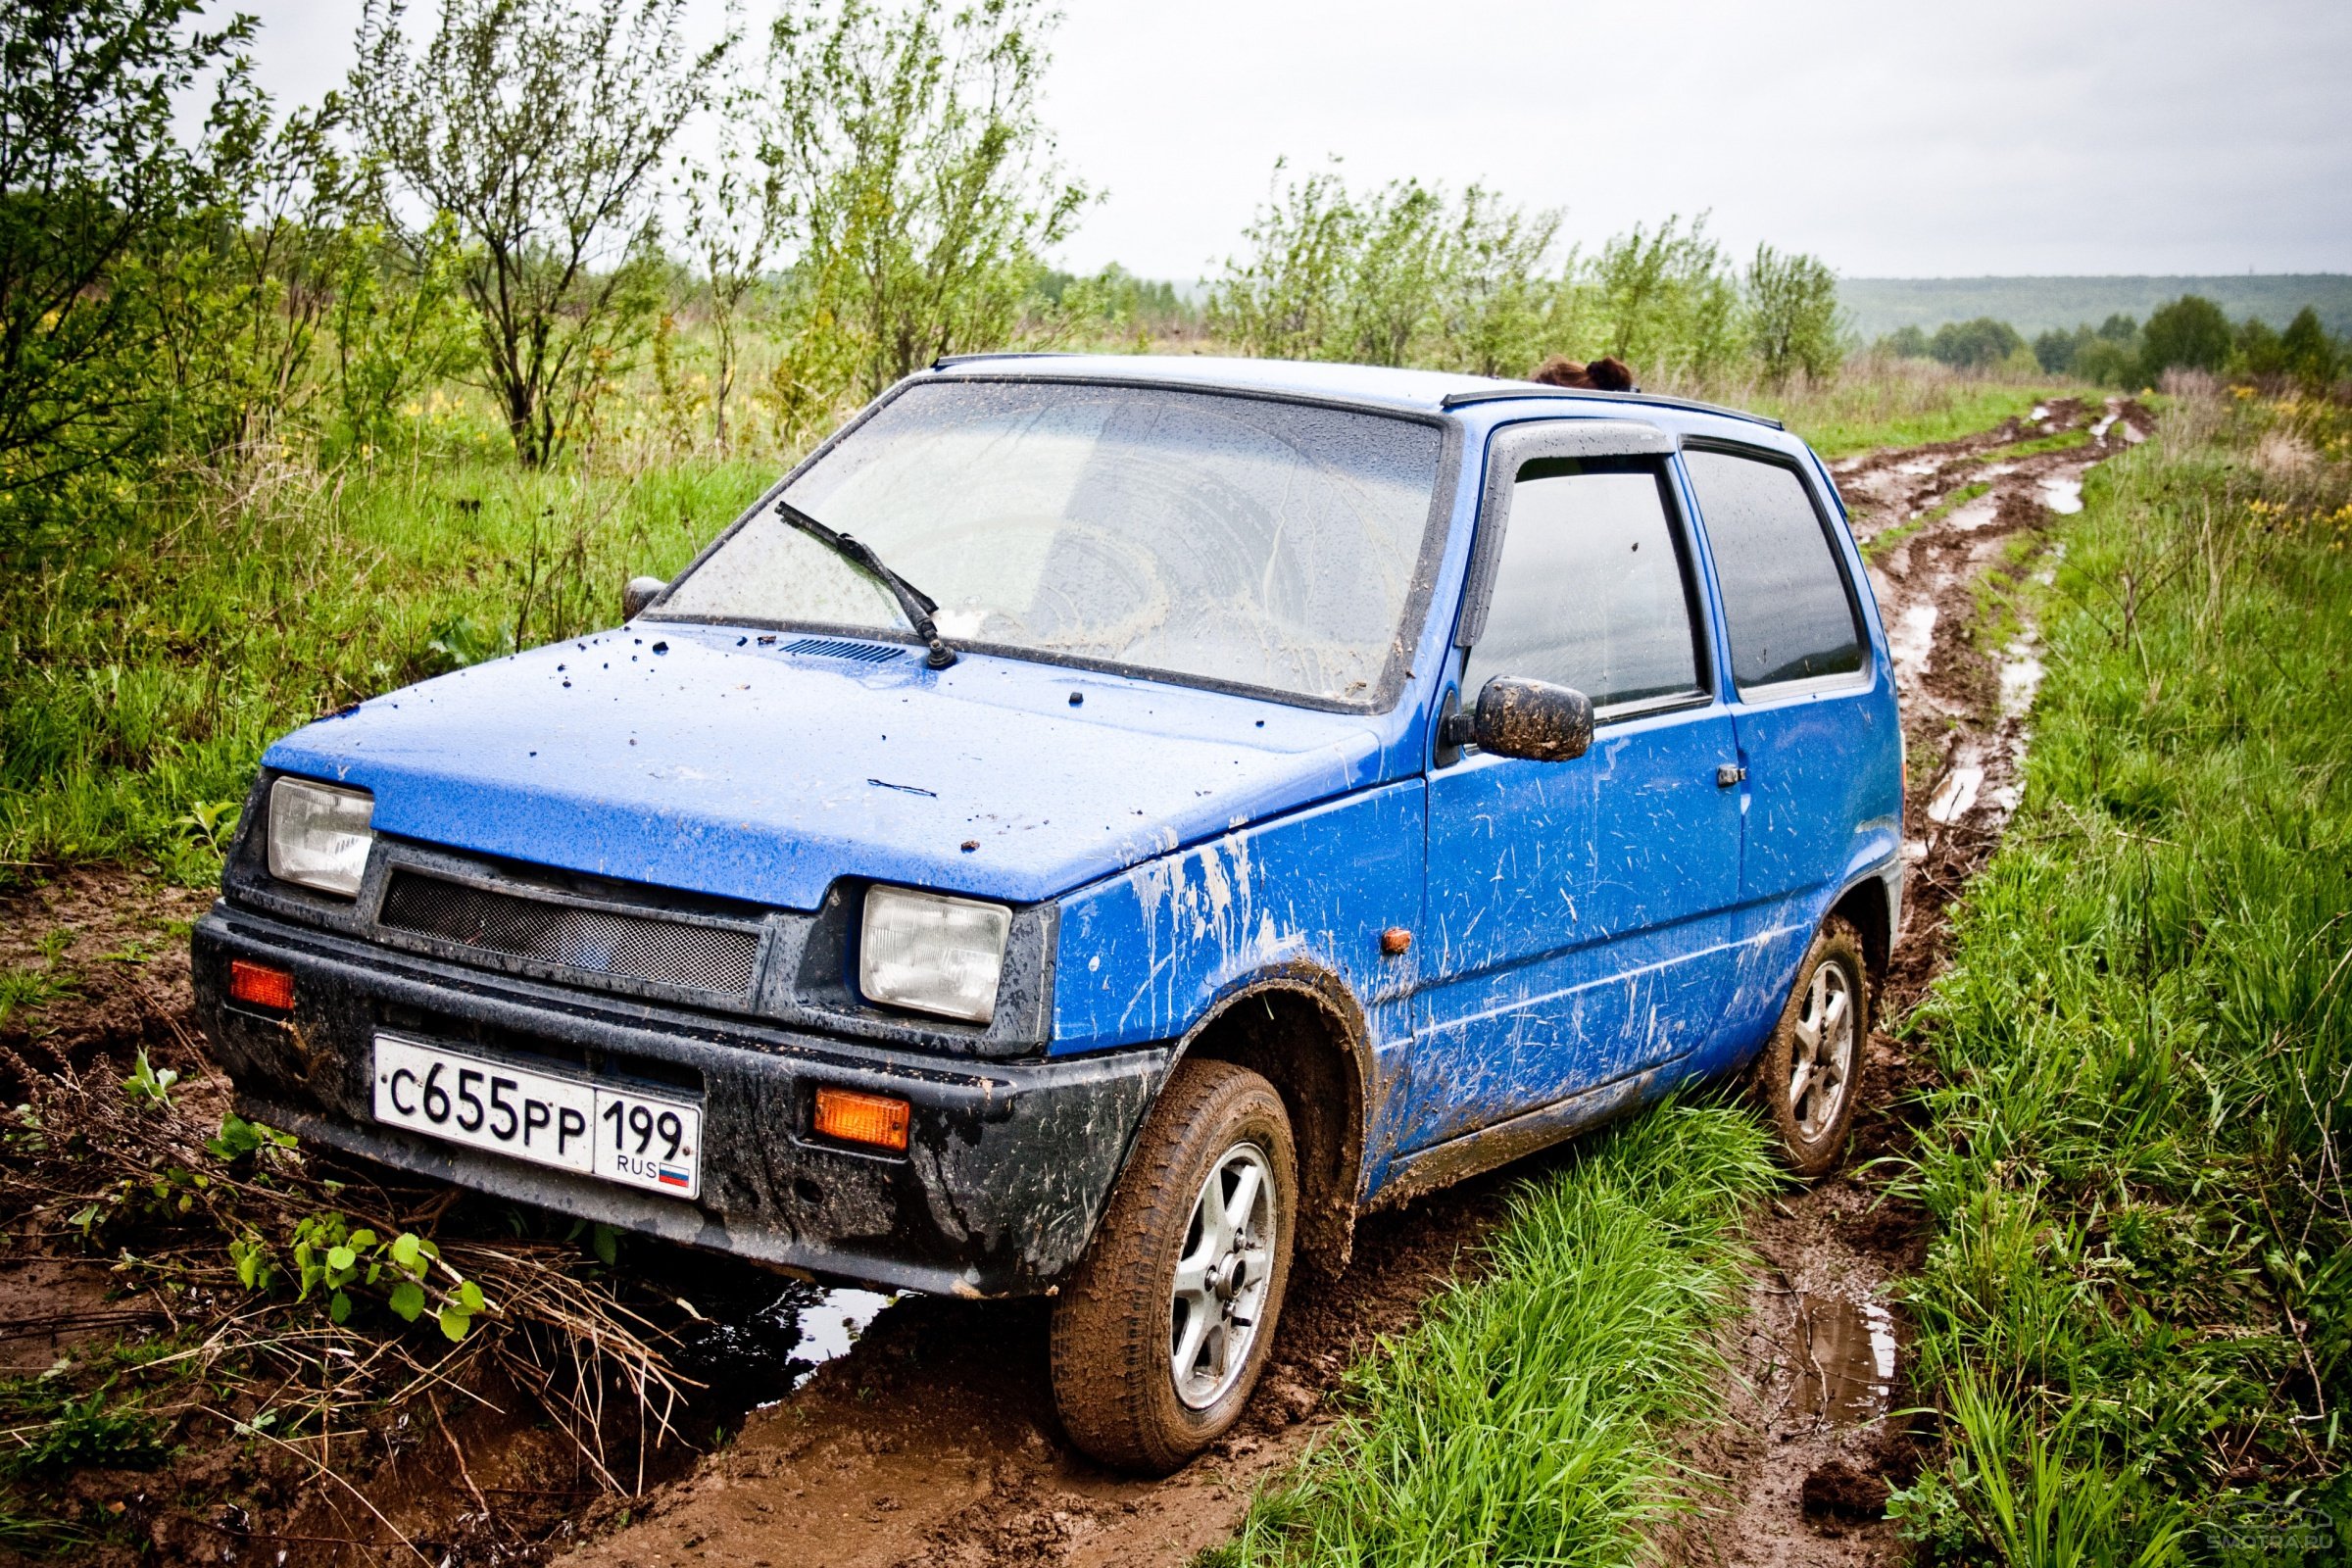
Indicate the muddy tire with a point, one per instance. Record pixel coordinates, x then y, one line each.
1810 1075
1159 1336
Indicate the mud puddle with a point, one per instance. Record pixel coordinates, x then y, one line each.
1812 1442
932 1440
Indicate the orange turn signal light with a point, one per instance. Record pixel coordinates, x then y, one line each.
260 985
855 1119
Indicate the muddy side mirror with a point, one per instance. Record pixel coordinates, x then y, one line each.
1530 718
638 593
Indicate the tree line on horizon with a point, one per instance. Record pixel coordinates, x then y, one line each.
2190 333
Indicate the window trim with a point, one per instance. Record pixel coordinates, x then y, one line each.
1512 449
1801 685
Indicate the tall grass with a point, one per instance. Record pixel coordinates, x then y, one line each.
1523 1419
147 666
2137 1308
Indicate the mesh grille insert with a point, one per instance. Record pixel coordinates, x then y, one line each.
843 648
700 957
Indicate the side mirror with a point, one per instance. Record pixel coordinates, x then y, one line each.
638 593
1530 718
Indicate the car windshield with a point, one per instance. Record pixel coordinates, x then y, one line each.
1236 540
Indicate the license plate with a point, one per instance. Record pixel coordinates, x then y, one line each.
620 1135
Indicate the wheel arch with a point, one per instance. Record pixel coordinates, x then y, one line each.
1301 1029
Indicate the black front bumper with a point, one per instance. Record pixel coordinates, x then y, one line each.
1008 1163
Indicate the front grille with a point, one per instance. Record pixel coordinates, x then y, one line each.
697 957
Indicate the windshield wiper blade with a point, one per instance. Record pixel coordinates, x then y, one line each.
919 607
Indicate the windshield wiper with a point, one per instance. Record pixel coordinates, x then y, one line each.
919 606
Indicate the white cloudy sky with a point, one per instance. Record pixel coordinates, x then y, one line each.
1894 140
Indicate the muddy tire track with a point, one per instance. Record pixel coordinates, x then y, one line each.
1804 1456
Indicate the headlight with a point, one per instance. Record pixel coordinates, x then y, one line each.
933 954
319 835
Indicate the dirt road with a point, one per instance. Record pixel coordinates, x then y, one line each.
921 1431
1806 1458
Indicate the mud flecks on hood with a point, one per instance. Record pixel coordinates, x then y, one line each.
749 772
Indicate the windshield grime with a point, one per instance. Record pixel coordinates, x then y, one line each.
1233 541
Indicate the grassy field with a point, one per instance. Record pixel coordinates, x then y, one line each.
146 669
1521 1421
2137 1314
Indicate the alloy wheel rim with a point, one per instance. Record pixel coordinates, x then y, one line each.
1821 1066
1219 1294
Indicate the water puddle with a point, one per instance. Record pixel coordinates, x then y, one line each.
2020 677
2041 412
1845 1354
1977 512
2098 431
764 1354
2063 494
1956 795
1908 642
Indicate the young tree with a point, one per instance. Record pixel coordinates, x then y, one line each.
1667 301
539 127
92 181
1791 314
2189 334
736 212
920 180
2307 353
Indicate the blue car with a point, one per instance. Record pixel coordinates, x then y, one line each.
1094 828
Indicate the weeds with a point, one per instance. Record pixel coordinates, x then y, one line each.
291 1286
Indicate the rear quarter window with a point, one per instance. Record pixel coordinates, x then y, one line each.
1790 612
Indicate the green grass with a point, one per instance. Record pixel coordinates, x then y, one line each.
1892 404
2136 1312
1524 1419
146 672
2061 442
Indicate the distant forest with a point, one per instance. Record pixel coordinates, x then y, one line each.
1879 306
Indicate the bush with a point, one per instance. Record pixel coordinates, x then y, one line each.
2189 334
1975 345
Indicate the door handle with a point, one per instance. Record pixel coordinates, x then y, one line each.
1728 774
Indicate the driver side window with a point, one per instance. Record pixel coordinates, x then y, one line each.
1593 589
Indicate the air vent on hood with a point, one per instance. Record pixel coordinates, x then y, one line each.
843 648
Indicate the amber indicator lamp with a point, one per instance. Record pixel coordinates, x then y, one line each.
878 1120
260 985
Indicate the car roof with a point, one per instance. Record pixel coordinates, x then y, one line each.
1383 386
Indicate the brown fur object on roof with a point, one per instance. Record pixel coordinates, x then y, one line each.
1609 373
1560 371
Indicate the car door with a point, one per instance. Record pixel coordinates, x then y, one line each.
1573 909
1816 734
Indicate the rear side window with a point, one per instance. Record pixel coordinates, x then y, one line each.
1592 589
1790 615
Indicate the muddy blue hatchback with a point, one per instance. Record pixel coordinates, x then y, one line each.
1097 827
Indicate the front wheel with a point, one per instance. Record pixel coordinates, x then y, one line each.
1809 1074
1159 1336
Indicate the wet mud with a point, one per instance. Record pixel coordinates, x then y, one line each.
1818 1370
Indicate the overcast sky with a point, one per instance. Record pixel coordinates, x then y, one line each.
1893 140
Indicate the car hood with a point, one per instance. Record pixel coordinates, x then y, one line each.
757 767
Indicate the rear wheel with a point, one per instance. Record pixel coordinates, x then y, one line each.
1159 1336
1809 1074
